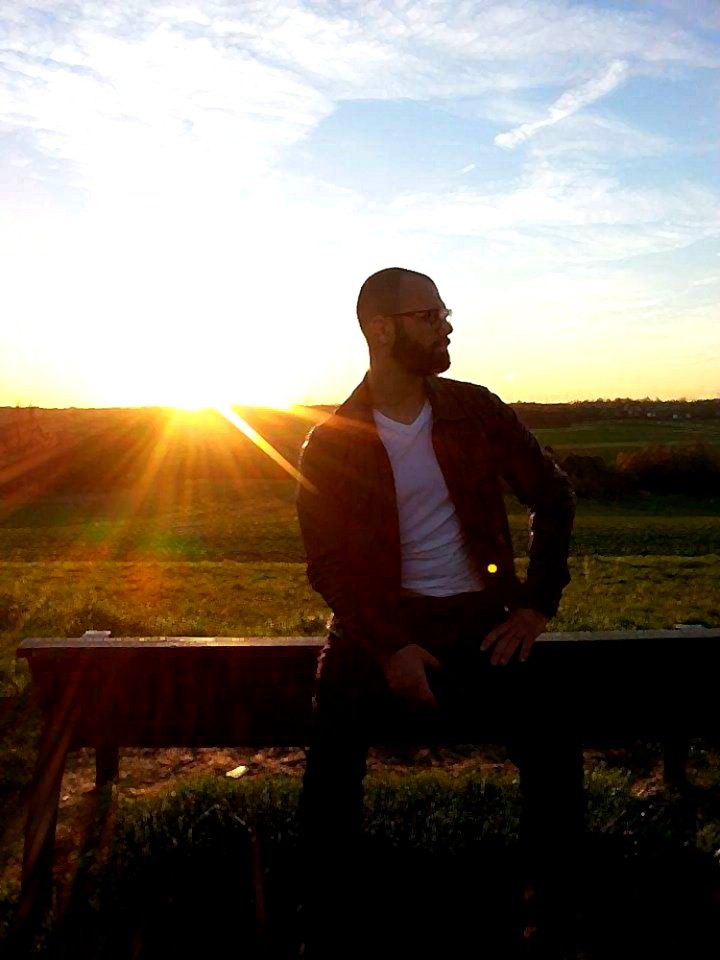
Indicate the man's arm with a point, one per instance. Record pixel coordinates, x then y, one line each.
367 615
541 485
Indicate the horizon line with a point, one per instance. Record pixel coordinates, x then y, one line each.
295 406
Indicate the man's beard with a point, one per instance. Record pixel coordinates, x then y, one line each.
415 358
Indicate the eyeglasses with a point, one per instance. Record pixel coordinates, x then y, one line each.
433 318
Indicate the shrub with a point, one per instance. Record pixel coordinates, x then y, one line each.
11 611
593 477
691 469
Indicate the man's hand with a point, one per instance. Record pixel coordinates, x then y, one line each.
406 677
520 631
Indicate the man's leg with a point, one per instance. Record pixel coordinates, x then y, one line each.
549 757
331 803
542 744
553 798
552 827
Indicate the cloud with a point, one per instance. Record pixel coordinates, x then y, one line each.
556 213
704 13
140 101
149 103
598 138
569 103
142 144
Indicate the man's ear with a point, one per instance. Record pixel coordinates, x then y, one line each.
381 331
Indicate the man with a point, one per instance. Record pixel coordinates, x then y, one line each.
407 540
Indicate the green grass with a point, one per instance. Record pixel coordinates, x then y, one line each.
422 808
425 808
256 521
599 535
612 436
180 864
230 598
151 599
647 525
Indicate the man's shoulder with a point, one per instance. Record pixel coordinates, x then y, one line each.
459 387
472 397
348 419
332 430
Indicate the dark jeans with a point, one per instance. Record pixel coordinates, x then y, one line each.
353 707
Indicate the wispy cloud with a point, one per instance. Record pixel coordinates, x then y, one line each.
570 215
124 72
605 139
569 103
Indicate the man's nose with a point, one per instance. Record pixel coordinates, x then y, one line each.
448 327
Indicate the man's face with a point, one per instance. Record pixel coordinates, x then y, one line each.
421 346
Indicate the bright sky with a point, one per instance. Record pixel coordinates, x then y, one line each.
192 193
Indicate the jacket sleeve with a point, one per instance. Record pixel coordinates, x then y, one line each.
365 613
545 488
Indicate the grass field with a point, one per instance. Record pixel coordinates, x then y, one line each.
606 438
227 559
231 598
256 521
219 557
439 846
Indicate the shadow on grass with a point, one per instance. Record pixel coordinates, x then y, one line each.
441 873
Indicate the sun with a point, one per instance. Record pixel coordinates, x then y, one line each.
221 376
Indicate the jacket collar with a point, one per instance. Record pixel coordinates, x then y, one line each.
440 393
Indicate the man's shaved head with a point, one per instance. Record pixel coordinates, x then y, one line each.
396 290
406 340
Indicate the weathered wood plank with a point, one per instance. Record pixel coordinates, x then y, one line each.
111 643
256 691
249 643
55 741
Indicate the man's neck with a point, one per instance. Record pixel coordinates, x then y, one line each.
396 393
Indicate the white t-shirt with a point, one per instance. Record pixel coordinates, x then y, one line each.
434 557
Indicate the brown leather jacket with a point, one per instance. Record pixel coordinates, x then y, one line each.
349 521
